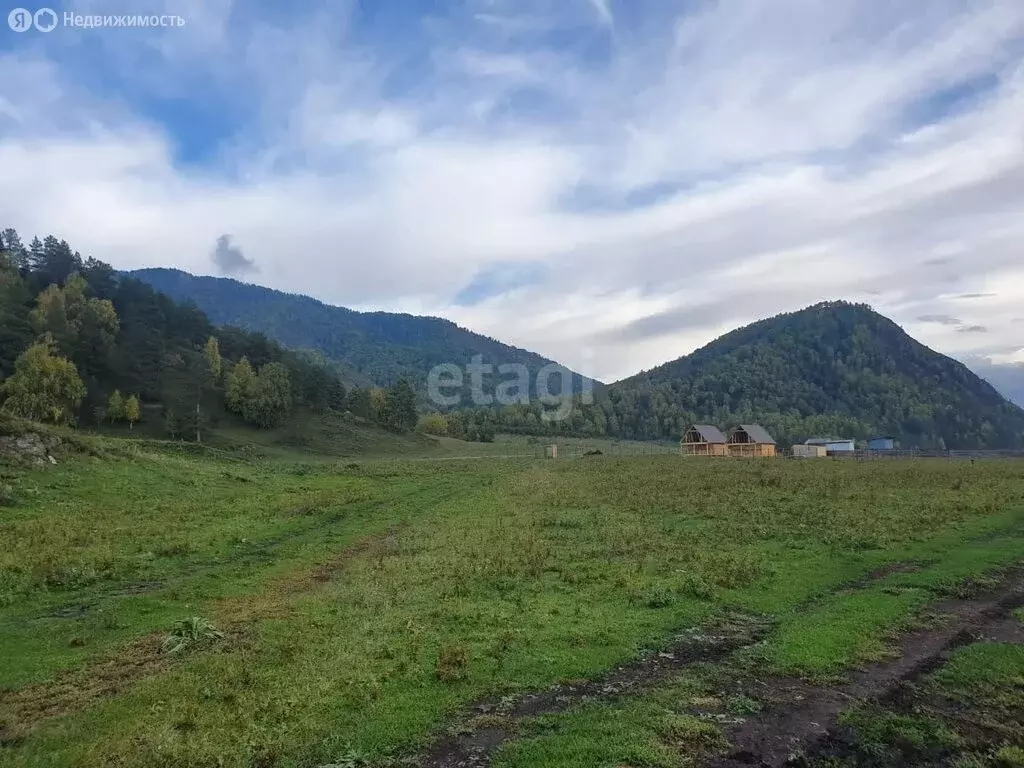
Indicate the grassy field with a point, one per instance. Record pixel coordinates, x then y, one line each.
348 611
327 436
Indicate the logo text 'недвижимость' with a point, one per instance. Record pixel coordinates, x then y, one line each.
47 19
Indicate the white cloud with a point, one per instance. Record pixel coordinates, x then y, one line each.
604 12
677 178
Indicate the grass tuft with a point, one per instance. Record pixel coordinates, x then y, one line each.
452 662
189 634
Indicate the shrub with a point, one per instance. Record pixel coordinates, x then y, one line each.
658 597
695 586
1010 757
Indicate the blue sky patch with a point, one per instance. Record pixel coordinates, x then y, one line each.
497 279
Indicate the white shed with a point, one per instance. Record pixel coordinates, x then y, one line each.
833 444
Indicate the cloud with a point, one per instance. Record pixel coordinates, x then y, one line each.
229 258
677 172
941 319
972 329
603 10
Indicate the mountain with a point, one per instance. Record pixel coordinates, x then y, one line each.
833 369
377 347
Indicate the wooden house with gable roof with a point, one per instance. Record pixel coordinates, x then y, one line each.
703 440
750 440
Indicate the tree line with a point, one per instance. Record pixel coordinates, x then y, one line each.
82 344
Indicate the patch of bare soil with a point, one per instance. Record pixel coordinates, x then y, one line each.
21 709
886 570
799 716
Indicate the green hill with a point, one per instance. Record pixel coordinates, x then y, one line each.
832 369
377 347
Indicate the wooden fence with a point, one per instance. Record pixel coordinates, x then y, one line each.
922 453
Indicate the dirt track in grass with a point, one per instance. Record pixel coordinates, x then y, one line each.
489 724
113 673
492 722
800 716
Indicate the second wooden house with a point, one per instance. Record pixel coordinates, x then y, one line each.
750 440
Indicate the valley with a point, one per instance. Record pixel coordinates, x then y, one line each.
393 611
221 551
512 384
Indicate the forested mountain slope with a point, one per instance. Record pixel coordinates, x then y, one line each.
81 343
382 346
831 369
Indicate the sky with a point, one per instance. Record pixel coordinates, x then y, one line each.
610 183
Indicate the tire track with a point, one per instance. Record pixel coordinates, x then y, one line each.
802 715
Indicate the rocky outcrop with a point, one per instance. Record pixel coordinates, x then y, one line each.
28 448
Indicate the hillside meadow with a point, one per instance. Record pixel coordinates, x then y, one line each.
163 607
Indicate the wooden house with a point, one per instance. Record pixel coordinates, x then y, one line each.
750 440
703 440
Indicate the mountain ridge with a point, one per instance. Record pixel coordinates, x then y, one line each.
834 368
380 346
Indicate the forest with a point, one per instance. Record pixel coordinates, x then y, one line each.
82 344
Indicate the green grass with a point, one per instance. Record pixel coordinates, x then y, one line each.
988 674
638 733
363 603
316 436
